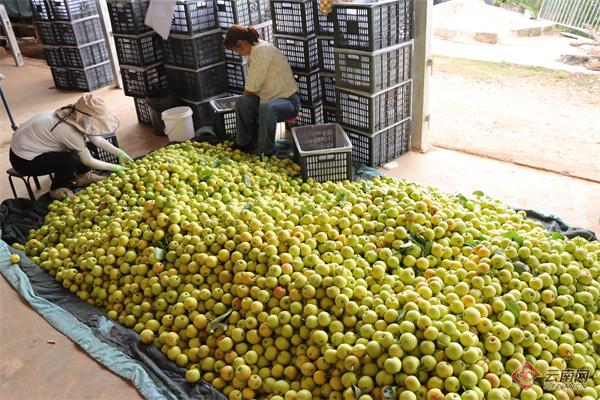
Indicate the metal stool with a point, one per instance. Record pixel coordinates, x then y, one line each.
12 173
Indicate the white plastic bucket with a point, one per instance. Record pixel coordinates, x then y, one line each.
179 125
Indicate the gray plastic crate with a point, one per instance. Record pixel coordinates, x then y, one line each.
225 120
372 25
127 16
196 51
144 81
199 84
194 16
373 112
373 71
325 23
49 34
329 115
139 50
85 55
328 89
41 10
231 12
266 33
302 53
142 110
293 17
71 10
309 86
375 149
80 32
91 78
61 78
260 11
308 115
101 154
324 152
326 58
236 76
54 56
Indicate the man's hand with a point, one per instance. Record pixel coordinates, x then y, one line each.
123 157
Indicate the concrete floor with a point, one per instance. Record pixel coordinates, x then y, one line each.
31 368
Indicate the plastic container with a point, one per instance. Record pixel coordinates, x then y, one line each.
203 111
127 16
91 78
373 71
41 10
302 53
293 17
49 34
225 120
236 76
373 25
324 152
260 11
139 50
198 84
70 10
375 149
80 32
329 115
54 56
85 55
328 89
309 86
179 125
142 110
194 16
61 78
326 59
308 115
325 23
231 12
144 82
101 154
158 104
373 112
194 51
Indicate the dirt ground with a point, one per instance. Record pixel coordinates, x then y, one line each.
531 116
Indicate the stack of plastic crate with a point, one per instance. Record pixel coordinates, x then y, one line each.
294 27
373 71
74 43
325 44
140 54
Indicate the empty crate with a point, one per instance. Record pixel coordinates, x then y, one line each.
293 17
326 58
324 21
373 112
198 84
41 10
324 152
85 55
194 16
328 89
127 16
372 26
196 51
231 12
236 76
91 78
302 53
61 78
203 112
53 55
260 11
70 10
139 50
143 111
309 86
101 154
373 71
74 33
381 147
144 82
329 115
225 122
308 115
49 35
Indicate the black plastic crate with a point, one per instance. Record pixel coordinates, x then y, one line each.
293 17
329 115
54 56
61 78
236 76
71 10
373 112
328 89
101 154
194 16
324 152
142 109
302 53
231 12
41 10
199 84
309 86
49 34
325 23
144 82
308 115
86 55
372 26
203 112
225 119
266 33
326 58
127 16
260 11
91 78
196 51
373 71
380 147
80 32
139 50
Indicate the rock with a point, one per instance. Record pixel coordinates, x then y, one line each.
486 37
525 32
445 33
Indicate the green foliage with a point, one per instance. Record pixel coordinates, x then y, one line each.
532 5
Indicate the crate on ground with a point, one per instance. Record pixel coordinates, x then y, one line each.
80 32
329 115
231 12
198 84
302 53
373 71
194 16
143 111
324 22
324 152
326 59
139 50
225 120
54 56
127 16
91 78
203 112
375 149
194 51
85 55
308 115
236 76
309 86
373 112
71 10
41 10
293 17
61 78
328 89
144 82
49 34
260 11
102 154
371 26
266 33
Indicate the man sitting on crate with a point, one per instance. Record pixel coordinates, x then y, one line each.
54 142
270 95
